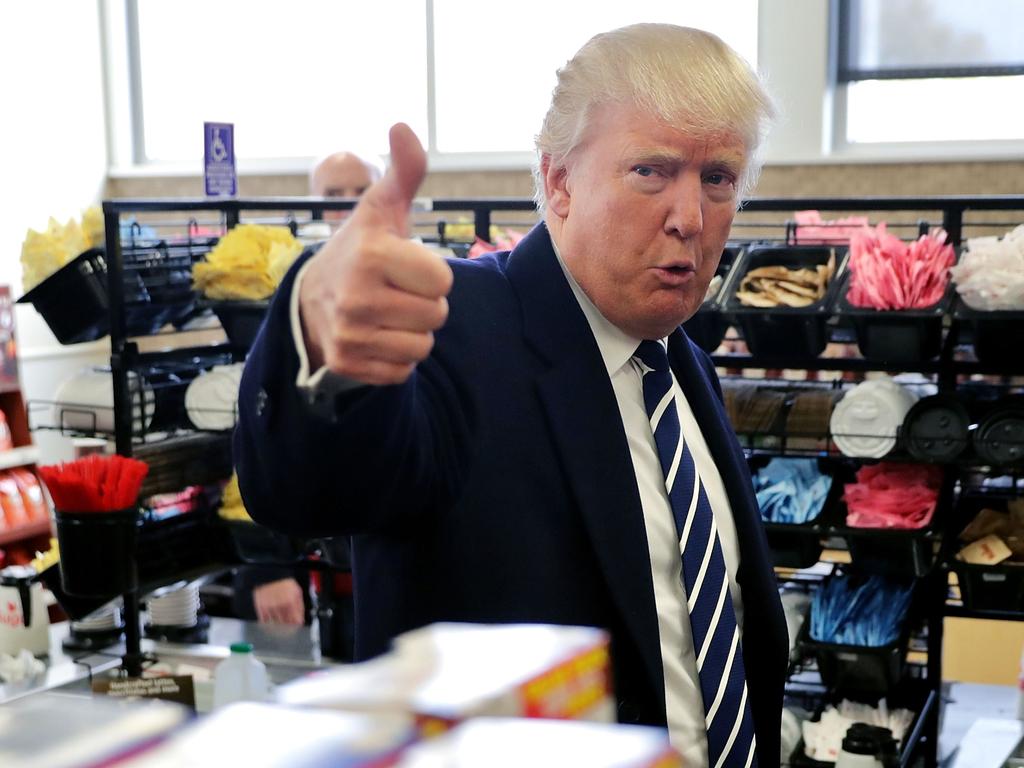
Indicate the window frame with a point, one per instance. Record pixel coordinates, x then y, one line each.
810 130
843 76
847 74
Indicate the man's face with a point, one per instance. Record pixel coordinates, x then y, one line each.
341 176
641 214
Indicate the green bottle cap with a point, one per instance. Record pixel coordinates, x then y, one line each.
241 647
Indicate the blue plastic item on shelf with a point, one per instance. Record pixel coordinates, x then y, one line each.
791 490
870 613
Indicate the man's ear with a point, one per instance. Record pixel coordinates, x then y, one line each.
556 192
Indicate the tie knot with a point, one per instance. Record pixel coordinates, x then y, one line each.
653 355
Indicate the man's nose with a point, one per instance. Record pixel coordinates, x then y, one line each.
686 216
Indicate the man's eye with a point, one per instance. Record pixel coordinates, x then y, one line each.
718 179
643 170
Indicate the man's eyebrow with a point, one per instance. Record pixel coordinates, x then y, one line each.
655 156
731 161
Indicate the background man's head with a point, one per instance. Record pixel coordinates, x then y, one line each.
687 78
342 174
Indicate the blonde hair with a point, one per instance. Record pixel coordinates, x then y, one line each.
686 77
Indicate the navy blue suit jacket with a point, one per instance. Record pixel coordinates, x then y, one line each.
496 484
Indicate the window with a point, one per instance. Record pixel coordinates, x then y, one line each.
930 71
310 76
495 72
297 79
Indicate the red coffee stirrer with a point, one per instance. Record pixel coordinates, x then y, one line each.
95 483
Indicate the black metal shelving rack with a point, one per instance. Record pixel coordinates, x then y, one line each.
949 369
954 213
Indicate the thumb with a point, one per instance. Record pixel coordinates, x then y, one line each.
387 202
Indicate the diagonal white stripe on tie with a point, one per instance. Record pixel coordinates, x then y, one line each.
660 411
735 730
689 513
750 754
712 538
670 478
712 626
723 683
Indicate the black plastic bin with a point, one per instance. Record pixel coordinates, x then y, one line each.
800 545
987 587
97 552
893 552
858 669
180 545
911 694
996 335
990 587
709 324
241 320
894 336
783 331
897 553
73 300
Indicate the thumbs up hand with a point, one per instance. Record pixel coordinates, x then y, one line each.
371 299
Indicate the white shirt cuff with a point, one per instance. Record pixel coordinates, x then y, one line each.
303 380
320 386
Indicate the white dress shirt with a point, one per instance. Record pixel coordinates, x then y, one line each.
683 702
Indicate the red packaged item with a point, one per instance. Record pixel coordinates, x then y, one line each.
11 501
31 494
888 274
893 496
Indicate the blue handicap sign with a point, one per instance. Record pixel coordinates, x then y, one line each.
219 159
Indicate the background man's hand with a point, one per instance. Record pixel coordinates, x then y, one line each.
371 299
279 602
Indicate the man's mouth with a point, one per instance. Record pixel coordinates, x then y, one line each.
675 274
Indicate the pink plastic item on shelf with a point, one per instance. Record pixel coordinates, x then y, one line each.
506 241
893 496
811 229
886 273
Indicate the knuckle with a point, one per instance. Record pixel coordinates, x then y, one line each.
440 313
354 306
446 278
425 345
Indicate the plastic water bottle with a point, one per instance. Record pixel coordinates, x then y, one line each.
240 677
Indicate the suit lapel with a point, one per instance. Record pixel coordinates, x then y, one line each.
583 414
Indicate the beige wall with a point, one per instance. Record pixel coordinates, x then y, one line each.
888 179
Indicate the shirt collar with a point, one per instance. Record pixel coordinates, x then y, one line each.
616 346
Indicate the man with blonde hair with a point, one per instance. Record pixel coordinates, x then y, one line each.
530 436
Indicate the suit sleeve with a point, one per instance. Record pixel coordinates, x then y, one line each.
380 460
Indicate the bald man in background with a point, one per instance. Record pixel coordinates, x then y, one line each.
342 174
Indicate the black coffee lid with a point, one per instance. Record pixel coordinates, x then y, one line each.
999 438
936 428
864 739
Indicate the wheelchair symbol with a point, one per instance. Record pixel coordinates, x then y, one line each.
218 150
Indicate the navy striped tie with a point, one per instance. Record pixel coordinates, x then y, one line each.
716 640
